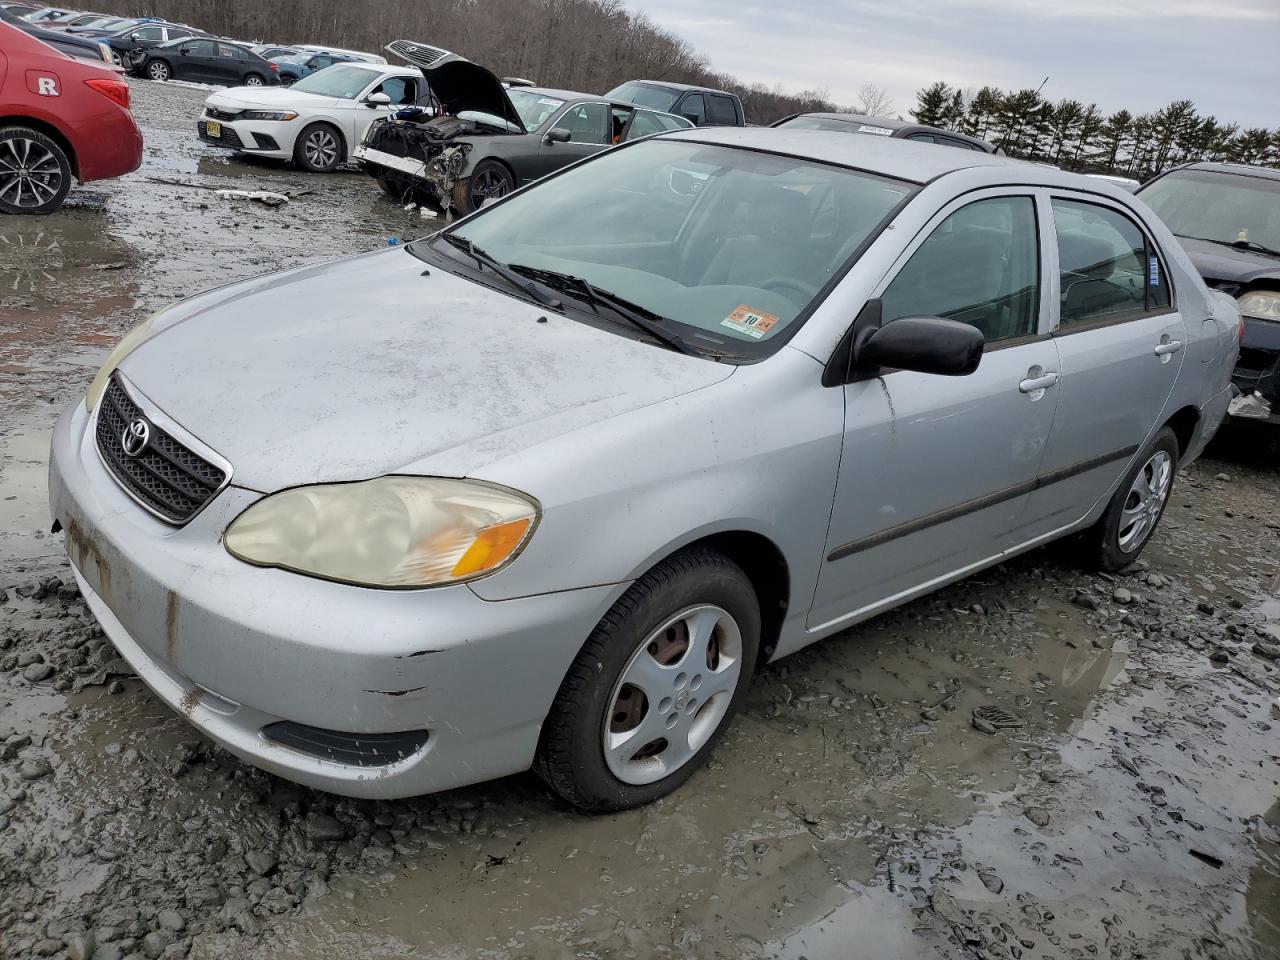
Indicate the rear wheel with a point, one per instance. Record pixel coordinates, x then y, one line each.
318 148
159 70
654 687
253 80
35 173
1134 512
488 181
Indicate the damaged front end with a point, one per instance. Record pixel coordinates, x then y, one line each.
422 158
423 151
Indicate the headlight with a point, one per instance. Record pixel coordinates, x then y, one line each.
268 115
391 532
114 359
1262 304
105 51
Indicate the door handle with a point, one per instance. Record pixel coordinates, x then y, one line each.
1167 347
1034 384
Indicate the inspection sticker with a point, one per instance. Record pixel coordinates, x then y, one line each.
754 323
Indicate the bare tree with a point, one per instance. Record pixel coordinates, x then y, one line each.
874 100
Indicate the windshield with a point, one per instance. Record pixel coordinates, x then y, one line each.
731 244
660 98
534 108
1226 207
339 80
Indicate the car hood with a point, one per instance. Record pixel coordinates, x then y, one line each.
457 83
1216 262
269 97
369 366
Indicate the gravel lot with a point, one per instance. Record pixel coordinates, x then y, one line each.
854 810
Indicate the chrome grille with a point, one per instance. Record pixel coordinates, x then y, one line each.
165 477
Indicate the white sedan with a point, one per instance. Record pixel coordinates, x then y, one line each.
317 122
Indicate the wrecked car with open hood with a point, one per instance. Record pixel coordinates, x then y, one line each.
478 140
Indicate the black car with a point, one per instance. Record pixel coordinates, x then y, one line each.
478 140
701 106
884 127
71 45
1227 217
134 41
205 60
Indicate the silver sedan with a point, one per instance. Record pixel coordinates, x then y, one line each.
546 488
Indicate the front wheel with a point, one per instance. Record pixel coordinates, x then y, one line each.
319 148
35 173
488 181
1135 509
654 687
159 70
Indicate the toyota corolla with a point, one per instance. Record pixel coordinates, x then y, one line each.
545 488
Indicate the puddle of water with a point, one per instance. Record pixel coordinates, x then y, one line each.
24 514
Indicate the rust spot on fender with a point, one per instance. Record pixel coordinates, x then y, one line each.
83 549
171 609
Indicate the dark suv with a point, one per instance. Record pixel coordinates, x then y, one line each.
1227 217
884 127
701 106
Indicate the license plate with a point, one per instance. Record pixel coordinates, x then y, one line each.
214 129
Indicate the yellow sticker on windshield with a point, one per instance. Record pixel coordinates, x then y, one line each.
754 323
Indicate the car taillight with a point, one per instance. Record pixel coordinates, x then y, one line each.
275 67
112 89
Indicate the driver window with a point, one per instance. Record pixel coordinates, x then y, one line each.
1101 253
151 33
981 266
586 123
401 90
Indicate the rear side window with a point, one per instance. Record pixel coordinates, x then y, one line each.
693 108
153 33
922 137
981 266
200 48
1109 271
720 110
231 53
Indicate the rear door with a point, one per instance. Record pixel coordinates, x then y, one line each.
936 471
1121 344
721 111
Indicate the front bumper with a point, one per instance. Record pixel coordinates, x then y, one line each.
1258 368
264 138
236 648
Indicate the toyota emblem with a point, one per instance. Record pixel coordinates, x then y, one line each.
135 438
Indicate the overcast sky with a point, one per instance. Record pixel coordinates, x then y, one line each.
1139 54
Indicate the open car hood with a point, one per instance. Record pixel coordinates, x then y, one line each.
457 83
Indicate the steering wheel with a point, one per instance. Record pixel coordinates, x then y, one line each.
781 285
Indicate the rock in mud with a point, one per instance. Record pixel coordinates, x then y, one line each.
1122 596
260 862
1037 815
1219 655
324 827
37 672
1085 601
1269 651
171 920
80 946
34 769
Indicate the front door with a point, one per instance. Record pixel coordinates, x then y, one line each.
589 126
935 471
1120 340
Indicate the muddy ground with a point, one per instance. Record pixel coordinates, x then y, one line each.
854 811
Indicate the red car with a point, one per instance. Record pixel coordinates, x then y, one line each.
59 118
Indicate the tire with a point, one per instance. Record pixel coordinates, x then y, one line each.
117 59
286 81
35 173
1134 512
159 71
489 180
319 148
692 595
254 80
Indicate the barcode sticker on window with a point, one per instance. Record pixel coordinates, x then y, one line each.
1153 270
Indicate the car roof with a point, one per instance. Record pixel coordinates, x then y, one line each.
891 123
558 94
672 85
884 156
1241 169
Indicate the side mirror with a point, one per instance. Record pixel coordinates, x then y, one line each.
375 100
558 135
184 51
923 344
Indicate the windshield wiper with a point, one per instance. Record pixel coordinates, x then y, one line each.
633 313
501 269
1240 245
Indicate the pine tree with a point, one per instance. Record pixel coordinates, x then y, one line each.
932 104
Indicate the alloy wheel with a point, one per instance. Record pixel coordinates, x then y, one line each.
253 80
1145 501
321 149
673 694
30 175
158 71
488 185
